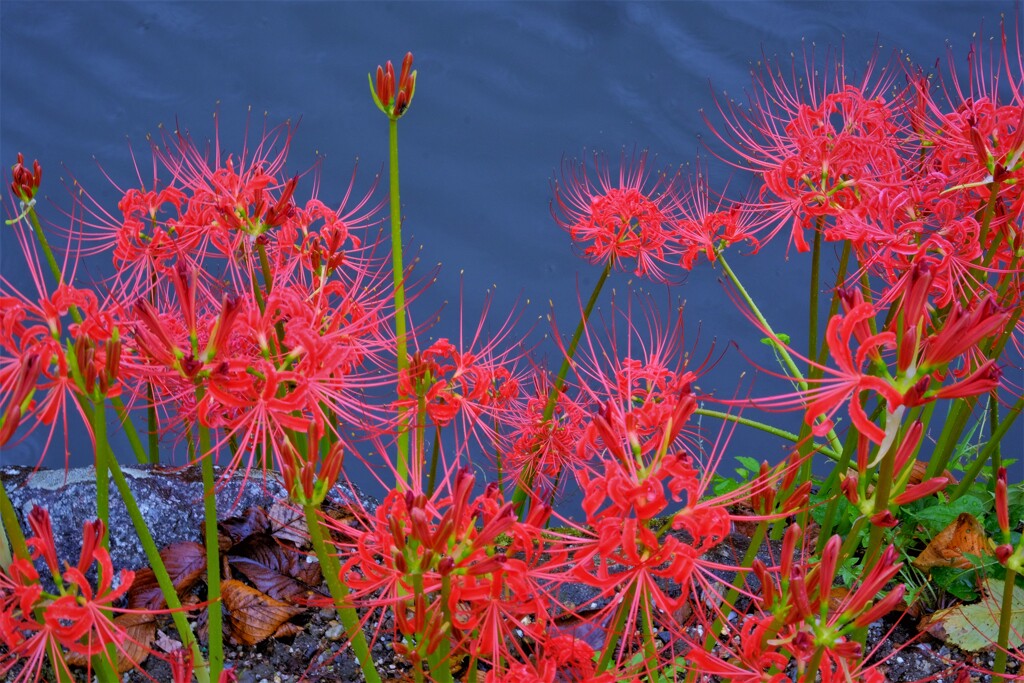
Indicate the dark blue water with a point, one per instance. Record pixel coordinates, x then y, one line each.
504 92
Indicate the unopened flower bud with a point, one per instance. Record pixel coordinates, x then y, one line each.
1002 506
25 183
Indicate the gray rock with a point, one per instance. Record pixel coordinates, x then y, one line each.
170 499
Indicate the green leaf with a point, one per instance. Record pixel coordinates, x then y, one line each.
937 517
768 341
750 464
976 627
957 582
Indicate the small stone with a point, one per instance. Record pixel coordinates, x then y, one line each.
335 632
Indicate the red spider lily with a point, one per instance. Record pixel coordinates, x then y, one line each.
816 139
425 557
46 358
631 220
383 90
548 448
796 617
703 230
642 380
473 382
220 210
35 625
628 550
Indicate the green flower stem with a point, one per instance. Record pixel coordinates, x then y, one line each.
159 570
152 425
9 525
129 430
812 324
268 282
986 453
949 437
102 449
440 667
833 484
1005 617
215 638
737 585
101 665
883 486
651 662
398 273
780 349
520 495
811 673
616 632
44 244
774 431
339 591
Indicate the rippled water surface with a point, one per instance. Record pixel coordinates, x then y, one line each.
504 92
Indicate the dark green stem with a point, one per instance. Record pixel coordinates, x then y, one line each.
156 562
215 636
339 591
1005 617
398 273
519 497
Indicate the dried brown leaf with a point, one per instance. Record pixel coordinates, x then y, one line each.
234 530
185 563
964 536
253 615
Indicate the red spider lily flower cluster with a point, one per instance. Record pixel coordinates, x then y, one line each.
630 220
798 619
246 307
233 307
37 625
450 569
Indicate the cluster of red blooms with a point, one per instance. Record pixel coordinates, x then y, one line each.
267 321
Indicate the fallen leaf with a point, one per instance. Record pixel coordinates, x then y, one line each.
253 615
280 559
289 524
950 547
976 627
185 563
234 530
270 581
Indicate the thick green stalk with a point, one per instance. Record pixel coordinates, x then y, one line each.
812 324
129 430
398 273
774 431
986 453
737 584
215 638
883 485
156 562
520 495
1005 617
339 591
787 360
440 666
99 430
616 633
9 519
